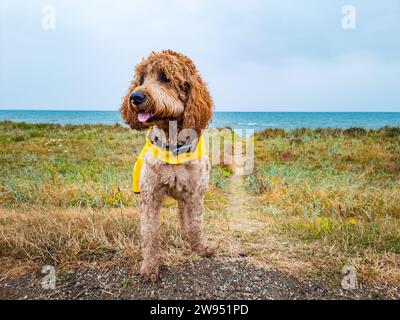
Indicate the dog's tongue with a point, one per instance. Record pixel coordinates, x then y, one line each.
144 116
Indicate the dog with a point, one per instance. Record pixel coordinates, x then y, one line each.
168 92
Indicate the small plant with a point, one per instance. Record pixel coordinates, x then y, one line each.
393 243
257 184
126 282
36 133
273 133
390 131
19 138
355 132
220 176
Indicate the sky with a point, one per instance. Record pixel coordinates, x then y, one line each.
256 55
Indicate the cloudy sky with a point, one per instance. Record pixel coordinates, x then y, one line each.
276 55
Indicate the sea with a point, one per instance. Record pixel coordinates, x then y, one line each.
236 120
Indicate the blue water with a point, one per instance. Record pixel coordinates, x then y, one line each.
235 120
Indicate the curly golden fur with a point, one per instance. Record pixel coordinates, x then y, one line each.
174 92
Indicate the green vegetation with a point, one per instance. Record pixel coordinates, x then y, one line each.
338 190
79 166
318 199
72 166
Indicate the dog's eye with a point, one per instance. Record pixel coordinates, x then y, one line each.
163 77
186 87
141 79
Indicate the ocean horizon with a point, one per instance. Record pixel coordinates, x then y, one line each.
236 120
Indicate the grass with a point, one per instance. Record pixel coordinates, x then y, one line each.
81 166
72 166
318 199
334 196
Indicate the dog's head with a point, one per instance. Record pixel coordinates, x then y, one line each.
167 87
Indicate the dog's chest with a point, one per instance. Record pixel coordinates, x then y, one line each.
191 176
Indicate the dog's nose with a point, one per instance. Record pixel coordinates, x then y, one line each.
138 97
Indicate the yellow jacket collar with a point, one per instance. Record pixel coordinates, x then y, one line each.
166 156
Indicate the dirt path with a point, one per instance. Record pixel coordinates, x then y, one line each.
241 209
207 279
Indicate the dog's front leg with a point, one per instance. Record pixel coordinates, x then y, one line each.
149 230
191 217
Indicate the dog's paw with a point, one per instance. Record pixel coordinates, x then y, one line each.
149 273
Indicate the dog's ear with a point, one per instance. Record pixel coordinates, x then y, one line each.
199 105
128 113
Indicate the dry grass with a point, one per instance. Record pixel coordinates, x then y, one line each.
68 237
